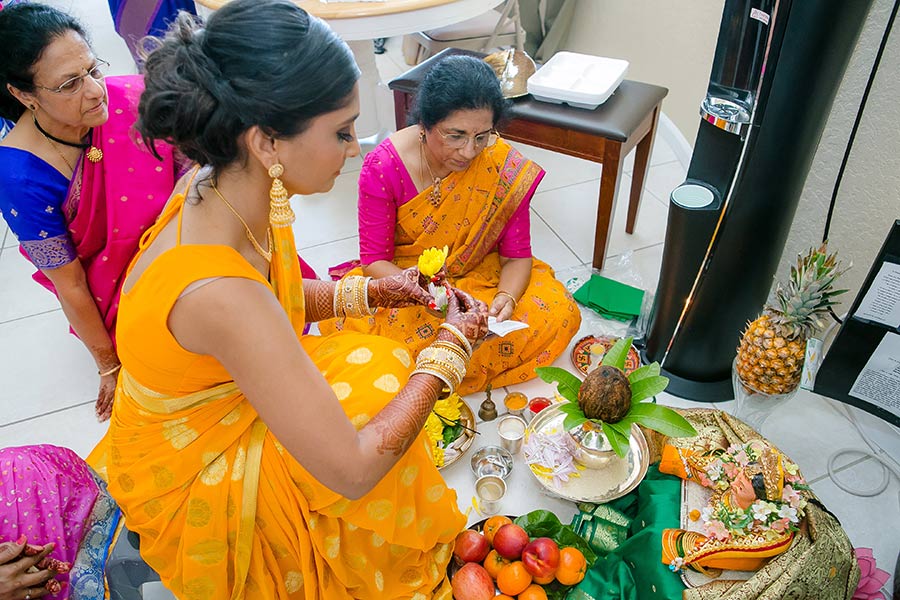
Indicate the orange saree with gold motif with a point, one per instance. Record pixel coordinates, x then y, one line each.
222 510
473 211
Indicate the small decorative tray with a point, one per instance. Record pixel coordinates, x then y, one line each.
617 478
465 439
586 357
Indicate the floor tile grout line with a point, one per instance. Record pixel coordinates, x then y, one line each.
553 231
343 239
46 414
22 318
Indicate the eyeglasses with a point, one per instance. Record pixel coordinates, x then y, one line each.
74 85
460 140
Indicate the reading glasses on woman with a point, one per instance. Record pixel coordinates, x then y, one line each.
461 140
72 86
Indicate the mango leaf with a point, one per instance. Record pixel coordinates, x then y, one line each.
573 421
618 441
570 408
659 418
645 371
623 430
615 356
648 387
567 384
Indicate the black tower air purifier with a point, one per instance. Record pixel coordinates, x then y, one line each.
777 67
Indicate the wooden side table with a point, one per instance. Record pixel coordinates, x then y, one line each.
604 135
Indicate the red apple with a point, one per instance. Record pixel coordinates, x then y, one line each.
471 546
541 557
510 540
472 582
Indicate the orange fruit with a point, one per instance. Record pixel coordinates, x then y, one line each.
572 566
533 592
513 579
493 562
492 525
503 597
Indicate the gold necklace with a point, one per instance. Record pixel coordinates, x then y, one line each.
436 184
266 254
93 153
58 151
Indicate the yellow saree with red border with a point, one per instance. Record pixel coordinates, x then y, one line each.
222 510
474 209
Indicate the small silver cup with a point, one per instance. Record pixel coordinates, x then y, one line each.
490 490
512 432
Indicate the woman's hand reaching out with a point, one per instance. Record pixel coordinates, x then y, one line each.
398 291
26 571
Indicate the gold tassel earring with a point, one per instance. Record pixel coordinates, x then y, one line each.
280 212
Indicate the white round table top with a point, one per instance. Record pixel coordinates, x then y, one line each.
386 18
523 491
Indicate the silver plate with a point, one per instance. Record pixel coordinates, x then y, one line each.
465 439
618 478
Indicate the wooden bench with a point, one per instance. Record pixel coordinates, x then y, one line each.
605 135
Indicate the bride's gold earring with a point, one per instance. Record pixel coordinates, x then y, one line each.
280 212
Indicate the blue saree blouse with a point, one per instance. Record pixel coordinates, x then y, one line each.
32 198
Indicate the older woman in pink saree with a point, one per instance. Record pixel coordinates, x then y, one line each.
76 188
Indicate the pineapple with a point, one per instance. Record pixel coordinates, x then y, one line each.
770 356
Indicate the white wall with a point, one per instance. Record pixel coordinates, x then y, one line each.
666 43
672 44
869 198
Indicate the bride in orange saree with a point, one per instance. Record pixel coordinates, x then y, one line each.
253 461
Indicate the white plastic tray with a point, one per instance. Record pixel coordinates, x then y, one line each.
579 80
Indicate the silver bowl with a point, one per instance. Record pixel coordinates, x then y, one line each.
492 460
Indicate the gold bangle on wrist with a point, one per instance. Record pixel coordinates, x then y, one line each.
467 346
508 295
110 371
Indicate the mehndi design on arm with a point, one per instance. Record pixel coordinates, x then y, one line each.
400 422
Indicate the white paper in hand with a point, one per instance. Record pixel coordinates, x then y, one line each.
501 328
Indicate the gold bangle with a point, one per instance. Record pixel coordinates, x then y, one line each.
508 295
467 346
110 371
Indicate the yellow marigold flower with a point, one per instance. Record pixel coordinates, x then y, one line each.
432 260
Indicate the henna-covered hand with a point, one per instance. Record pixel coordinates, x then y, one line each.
467 314
105 396
27 571
398 291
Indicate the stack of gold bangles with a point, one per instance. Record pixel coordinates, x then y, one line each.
445 360
351 298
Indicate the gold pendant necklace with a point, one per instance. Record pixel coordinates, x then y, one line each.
266 254
436 185
94 154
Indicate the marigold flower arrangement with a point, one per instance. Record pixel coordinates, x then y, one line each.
442 427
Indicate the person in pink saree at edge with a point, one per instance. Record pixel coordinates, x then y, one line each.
76 187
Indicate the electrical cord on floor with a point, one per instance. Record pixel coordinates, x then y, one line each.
889 465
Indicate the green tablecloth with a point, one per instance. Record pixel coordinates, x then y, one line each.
627 536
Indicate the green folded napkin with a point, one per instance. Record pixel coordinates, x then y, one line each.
611 299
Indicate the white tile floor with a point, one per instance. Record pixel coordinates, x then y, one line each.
48 380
